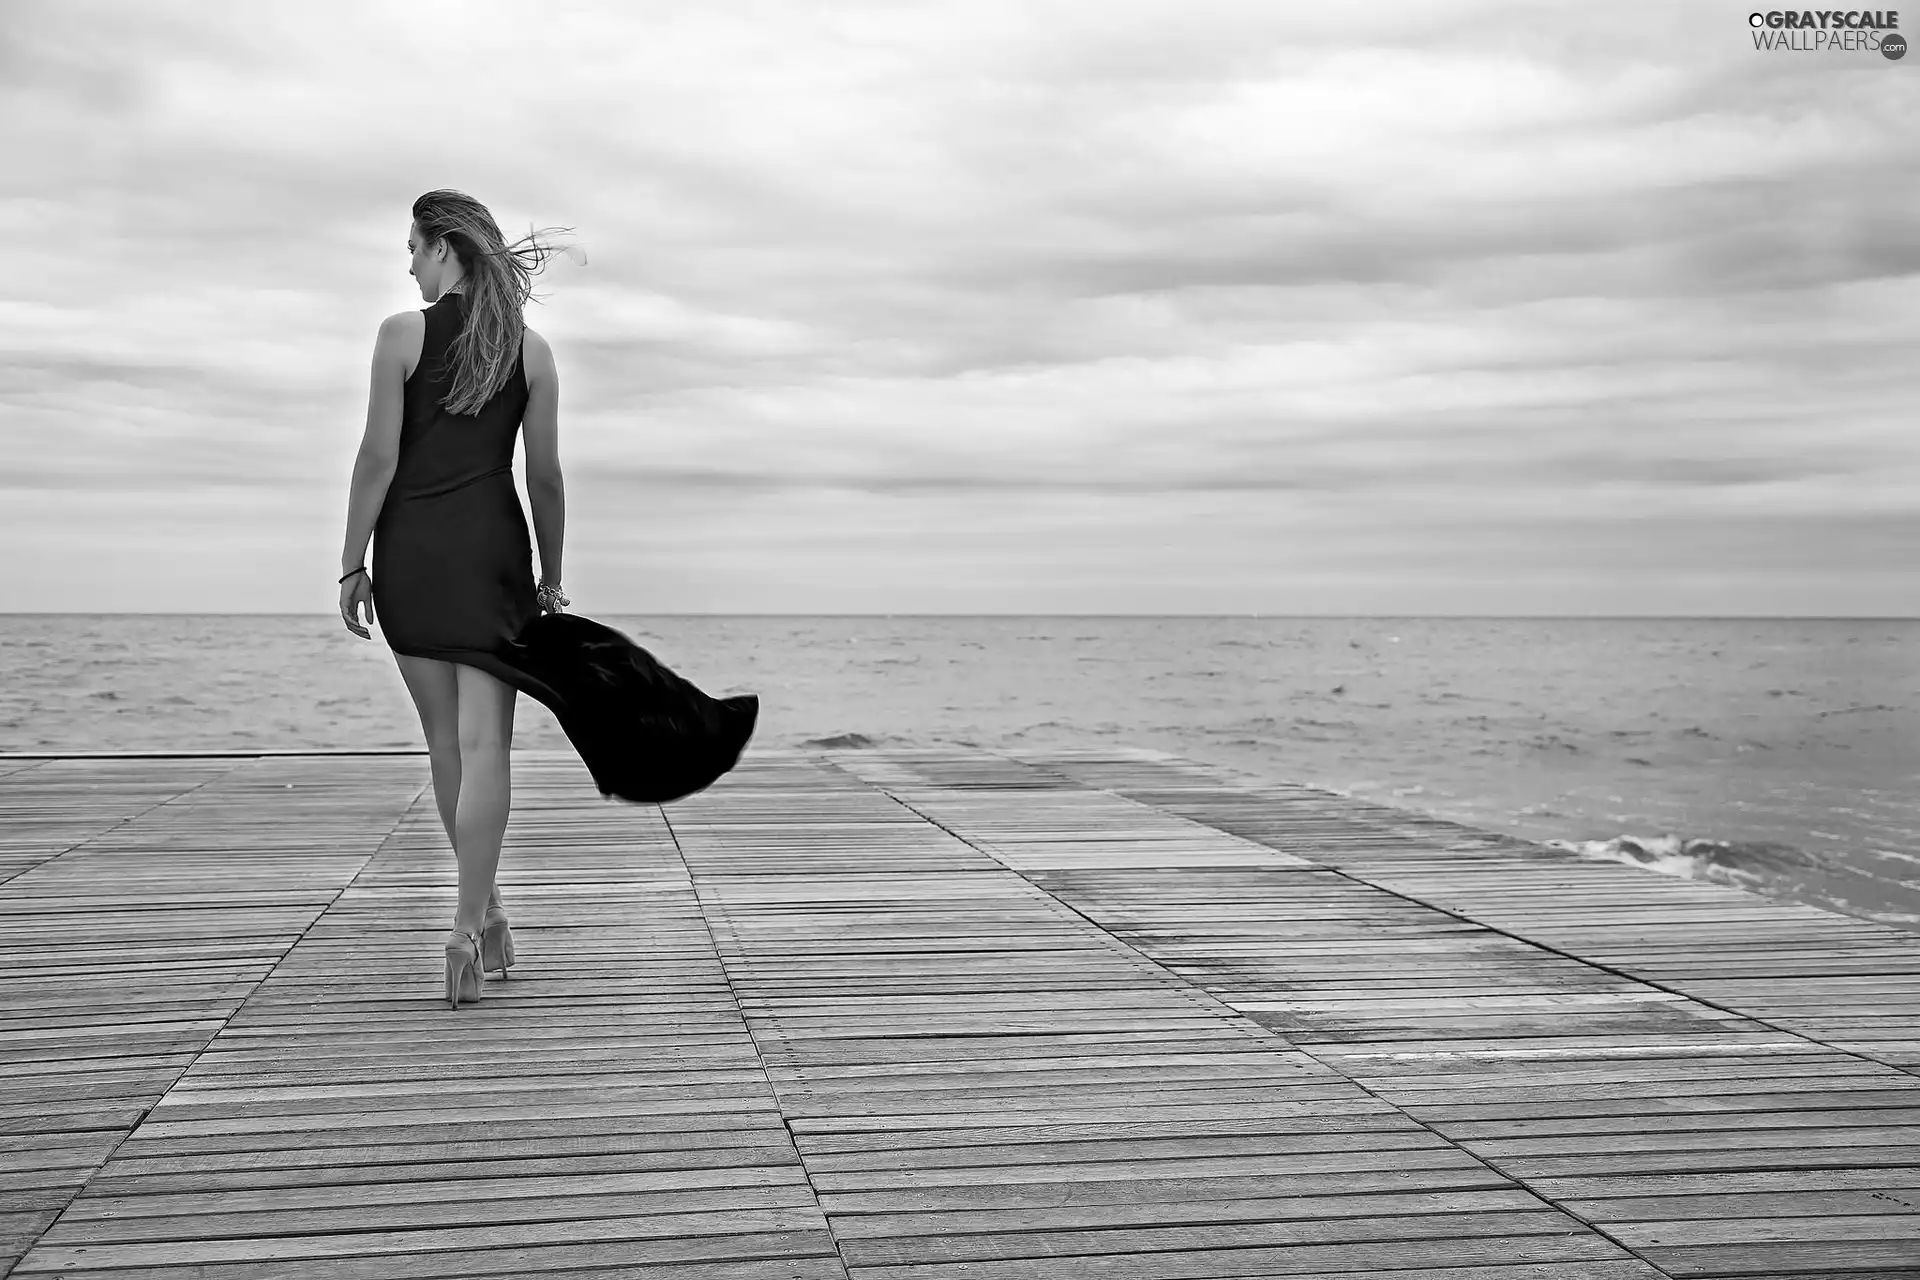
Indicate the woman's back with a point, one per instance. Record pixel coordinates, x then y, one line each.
441 450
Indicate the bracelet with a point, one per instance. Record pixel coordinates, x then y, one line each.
351 572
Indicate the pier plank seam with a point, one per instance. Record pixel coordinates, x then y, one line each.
76 1145
1200 791
1484 1137
1870 1259
733 994
1656 984
1332 1065
14 863
1482 868
883 1236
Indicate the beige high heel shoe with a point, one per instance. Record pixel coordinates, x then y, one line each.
463 968
496 943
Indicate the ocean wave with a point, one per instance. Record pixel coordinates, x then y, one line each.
1747 863
840 741
1772 869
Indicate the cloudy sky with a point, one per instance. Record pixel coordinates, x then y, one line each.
1118 307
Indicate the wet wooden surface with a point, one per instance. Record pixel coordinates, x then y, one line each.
904 1014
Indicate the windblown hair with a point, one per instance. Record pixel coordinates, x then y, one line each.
498 284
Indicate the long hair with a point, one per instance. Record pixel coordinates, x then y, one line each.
498 284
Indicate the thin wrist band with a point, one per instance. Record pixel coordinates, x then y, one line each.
349 573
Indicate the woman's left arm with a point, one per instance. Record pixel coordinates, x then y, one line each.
380 447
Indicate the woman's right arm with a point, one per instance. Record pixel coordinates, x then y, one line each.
540 425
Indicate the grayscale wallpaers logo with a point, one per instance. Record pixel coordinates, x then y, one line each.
1829 31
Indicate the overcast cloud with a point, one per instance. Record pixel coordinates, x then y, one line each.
983 307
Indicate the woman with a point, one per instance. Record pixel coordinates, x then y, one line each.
452 566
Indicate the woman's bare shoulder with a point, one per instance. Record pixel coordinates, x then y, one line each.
538 355
403 324
397 346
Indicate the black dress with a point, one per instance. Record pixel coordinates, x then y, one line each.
453 580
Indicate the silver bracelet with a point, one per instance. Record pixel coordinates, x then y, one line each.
550 597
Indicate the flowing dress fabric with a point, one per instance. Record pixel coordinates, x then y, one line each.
453 580
645 734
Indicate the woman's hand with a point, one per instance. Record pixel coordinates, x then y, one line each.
354 592
550 598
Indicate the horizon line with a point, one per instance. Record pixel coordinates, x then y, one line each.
1489 617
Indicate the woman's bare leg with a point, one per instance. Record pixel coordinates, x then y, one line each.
434 685
486 790
444 762
445 765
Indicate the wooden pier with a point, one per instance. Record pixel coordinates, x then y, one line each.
918 1015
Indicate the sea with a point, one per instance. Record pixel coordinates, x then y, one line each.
1782 755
